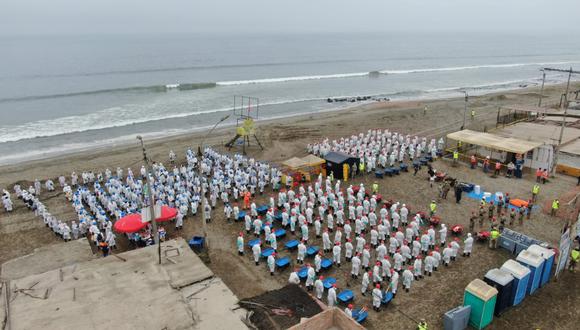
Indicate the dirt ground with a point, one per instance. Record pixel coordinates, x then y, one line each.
553 307
291 297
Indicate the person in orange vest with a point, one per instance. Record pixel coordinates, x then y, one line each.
497 168
247 196
538 174
473 162
486 164
545 176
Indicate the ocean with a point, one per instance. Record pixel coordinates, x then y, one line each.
66 93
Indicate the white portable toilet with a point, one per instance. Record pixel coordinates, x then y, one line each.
521 276
549 258
535 264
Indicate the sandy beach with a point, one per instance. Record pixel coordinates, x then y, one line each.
287 137
21 232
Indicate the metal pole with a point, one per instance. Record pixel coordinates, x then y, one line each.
200 174
565 105
151 199
542 89
203 222
465 110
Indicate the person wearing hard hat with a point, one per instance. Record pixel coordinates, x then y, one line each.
423 324
494 236
408 278
455 157
348 310
331 297
432 208
377 297
240 244
555 207
257 250
272 263
375 188
473 162
535 192
468 245
319 287
366 280
293 278
310 277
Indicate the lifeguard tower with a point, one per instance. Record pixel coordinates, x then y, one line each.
246 109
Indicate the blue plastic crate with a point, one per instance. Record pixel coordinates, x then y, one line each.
292 244
325 264
262 209
360 315
253 242
387 297
345 296
280 233
197 242
267 252
283 262
303 273
241 215
328 282
312 250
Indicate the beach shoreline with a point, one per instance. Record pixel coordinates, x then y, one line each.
347 119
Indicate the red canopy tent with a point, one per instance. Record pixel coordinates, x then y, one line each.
167 213
129 224
132 223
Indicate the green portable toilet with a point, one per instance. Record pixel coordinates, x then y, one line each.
481 297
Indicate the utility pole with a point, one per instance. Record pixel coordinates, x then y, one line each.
465 110
151 199
200 175
542 89
564 104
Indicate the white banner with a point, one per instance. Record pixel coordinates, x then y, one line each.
146 213
564 249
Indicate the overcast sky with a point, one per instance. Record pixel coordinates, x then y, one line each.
273 16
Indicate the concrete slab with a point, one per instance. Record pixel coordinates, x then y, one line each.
109 293
208 300
47 258
544 133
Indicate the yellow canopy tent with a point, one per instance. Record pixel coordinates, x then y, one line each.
301 169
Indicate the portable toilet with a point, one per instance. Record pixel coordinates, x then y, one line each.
521 276
481 297
457 318
535 264
549 257
503 282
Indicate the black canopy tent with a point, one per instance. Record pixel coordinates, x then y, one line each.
335 162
